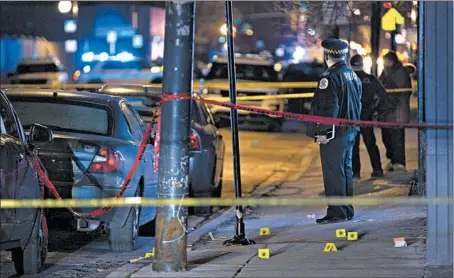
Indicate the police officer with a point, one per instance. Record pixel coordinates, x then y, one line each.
374 102
338 95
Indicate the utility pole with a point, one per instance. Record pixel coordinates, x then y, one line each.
240 233
375 38
171 221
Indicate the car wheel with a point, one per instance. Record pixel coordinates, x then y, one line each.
30 260
124 238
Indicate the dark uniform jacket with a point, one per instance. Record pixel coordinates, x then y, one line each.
338 95
397 77
374 97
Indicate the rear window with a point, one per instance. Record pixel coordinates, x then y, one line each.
243 72
72 117
35 68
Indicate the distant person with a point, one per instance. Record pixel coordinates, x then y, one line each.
396 76
374 102
338 95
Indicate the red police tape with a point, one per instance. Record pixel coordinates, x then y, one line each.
172 97
304 117
45 180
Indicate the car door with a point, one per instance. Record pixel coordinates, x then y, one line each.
217 139
18 179
150 177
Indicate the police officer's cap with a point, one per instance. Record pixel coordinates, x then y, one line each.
356 61
335 47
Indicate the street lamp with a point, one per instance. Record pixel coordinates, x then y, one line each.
64 6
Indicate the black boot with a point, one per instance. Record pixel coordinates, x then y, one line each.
330 219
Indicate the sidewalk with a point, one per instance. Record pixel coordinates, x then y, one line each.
297 244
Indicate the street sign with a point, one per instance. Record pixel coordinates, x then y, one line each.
390 19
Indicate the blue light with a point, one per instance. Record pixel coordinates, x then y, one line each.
280 52
103 56
221 39
299 53
70 26
260 44
111 36
125 56
137 41
88 57
87 69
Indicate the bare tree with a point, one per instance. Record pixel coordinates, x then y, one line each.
323 17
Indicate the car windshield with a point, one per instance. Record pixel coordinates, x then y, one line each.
119 65
35 68
74 117
243 72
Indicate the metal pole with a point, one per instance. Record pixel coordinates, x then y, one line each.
421 115
240 235
375 38
171 221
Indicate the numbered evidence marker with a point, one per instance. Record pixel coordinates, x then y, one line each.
352 236
264 253
149 254
341 233
400 242
265 231
330 247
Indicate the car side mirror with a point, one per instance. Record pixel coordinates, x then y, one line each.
40 133
151 138
151 102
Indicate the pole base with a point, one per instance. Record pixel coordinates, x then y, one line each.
238 240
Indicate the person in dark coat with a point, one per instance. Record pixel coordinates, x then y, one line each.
338 95
396 76
374 106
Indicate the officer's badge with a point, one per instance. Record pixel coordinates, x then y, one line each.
323 84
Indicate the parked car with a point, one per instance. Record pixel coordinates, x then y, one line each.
250 68
96 139
48 70
206 143
23 231
134 71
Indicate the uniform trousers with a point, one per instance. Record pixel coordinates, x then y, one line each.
336 158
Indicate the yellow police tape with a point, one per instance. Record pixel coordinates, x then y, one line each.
194 202
196 84
207 96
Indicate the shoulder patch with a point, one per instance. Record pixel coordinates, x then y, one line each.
323 84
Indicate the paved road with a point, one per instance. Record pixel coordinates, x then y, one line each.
266 158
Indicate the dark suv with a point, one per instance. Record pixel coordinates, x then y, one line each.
23 231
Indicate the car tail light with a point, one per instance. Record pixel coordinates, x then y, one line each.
194 141
105 161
